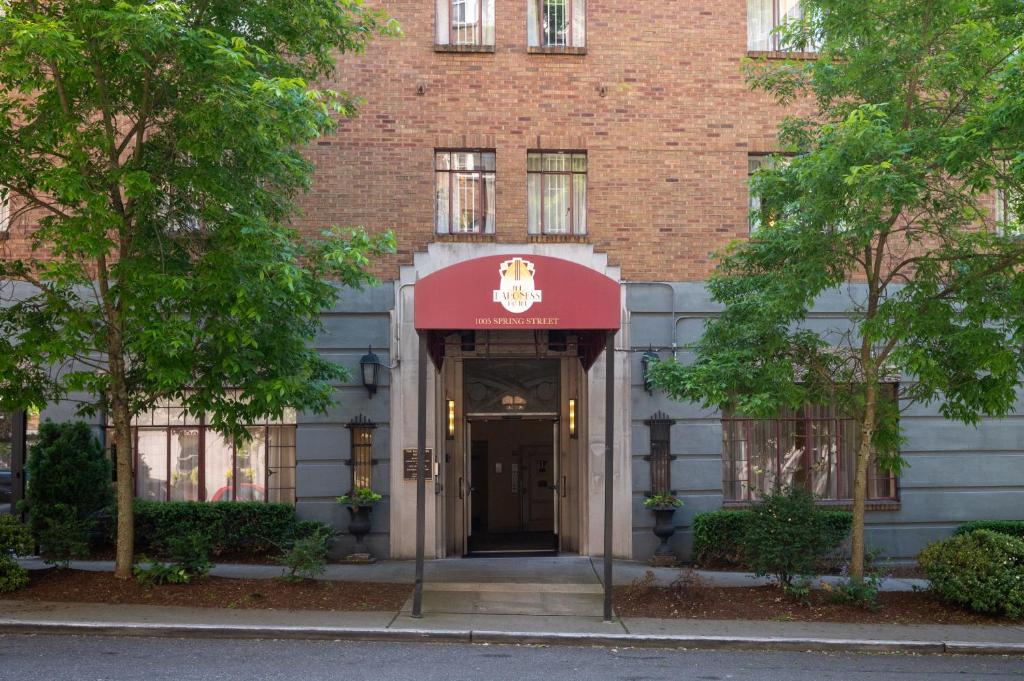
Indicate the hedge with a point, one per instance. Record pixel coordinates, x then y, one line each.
718 535
1014 528
982 570
234 528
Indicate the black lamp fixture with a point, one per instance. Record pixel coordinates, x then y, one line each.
650 357
369 365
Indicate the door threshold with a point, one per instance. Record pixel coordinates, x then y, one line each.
512 553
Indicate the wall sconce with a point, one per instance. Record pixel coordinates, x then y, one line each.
451 419
649 358
369 366
572 418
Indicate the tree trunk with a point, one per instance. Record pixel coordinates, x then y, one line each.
860 482
117 402
125 490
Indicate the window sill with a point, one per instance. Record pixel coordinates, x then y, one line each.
464 48
557 50
466 238
782 54
557 239
876 506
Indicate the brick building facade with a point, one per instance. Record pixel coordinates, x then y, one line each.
651 100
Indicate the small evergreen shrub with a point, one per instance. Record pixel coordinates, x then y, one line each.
191 553
789 538
306 559
15 539
69 485
237 529
1014 528
718 535
718 538
982 570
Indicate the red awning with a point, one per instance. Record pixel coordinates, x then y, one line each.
518 292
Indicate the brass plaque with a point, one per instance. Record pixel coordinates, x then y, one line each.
410 461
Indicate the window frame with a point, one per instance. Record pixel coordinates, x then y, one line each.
1004 212
806 419
659 428
542 227
485 10
361 425
773 36
482 206
6 214
188 423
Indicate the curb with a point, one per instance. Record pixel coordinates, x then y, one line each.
766 643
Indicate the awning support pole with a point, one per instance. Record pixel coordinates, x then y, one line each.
609 468
421 475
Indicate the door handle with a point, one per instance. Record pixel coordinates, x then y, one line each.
564 488
461 481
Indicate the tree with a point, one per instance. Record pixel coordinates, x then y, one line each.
888 194
156 147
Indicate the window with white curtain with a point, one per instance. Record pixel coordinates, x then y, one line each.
764 17
179 457
1007 218
464 192
464 22
5 214
556 184
556 23
814 448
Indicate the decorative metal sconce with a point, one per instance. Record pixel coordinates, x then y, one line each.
451 419
572 418
369 366
649 358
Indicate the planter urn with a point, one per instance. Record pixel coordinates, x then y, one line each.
664 528
359 525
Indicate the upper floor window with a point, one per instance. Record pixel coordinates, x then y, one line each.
556 23
1007 219
464 192
5 213
556 186
764 17
814 448
756 162
465 22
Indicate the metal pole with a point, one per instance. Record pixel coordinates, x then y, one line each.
609 469
421 475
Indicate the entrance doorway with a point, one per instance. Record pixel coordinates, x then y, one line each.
513 490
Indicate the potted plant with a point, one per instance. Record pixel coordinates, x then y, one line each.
664 507
360 502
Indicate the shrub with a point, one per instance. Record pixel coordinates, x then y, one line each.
1014 528
306 559
69 484
15 539
718 535
191 553
982 570
789 538
12 575
233 528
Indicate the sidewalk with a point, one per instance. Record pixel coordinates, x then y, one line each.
549 601
458 569
24 617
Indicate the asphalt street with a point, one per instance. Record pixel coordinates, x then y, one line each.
59 658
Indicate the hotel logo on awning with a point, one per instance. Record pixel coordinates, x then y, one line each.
517 293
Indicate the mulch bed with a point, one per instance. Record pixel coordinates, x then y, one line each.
769 603
214 592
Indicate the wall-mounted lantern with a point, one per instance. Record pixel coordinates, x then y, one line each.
572 418
648 359
451 419
369 365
